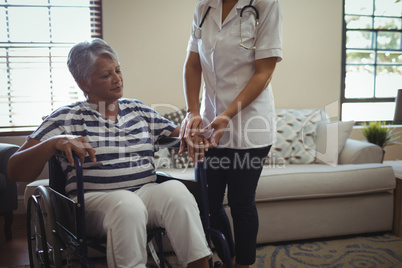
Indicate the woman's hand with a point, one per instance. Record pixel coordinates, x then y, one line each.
197 145
79 145
28 162
218 127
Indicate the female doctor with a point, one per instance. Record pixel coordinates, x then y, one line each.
235 45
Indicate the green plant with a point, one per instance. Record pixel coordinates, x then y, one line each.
376 132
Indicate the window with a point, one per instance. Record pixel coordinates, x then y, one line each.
35 38
372 62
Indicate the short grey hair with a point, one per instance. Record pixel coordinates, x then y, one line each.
83 55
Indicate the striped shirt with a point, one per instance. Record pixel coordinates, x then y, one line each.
124 148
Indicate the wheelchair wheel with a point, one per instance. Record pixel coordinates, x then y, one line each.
43 246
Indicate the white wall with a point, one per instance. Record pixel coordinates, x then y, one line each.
151 39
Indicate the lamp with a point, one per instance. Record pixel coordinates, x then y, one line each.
398 108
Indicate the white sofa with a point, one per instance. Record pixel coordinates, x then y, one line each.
316 188
311 188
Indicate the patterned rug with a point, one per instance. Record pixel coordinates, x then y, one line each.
371 251
381 251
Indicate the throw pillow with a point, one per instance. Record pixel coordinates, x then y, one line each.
295 136
330 140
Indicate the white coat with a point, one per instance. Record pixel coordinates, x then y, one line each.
227 67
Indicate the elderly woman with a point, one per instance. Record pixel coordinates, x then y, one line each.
121 197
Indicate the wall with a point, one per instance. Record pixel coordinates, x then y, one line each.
151 39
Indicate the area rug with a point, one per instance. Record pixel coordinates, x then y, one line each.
380 251
364 251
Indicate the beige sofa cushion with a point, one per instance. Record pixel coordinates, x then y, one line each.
318 181
330 140
315 180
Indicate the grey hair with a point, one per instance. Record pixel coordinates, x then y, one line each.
83 55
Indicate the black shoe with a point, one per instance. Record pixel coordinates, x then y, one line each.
218 264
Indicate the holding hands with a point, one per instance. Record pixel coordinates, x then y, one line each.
193 134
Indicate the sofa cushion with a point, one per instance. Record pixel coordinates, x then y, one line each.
314 181
319 181
296 131
330 140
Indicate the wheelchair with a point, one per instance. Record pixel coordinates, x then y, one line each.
56 228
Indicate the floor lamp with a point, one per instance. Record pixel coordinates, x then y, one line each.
398 108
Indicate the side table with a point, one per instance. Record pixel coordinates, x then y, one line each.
397 224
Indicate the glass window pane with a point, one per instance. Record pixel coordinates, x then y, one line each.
360 56
70 2
67 21
3 80
3 23
387 23
359 39
358 22
389 40
388 81
359 81
383 111
388 8
22 78
4 115
391 57
27 2
4 108
23 55
64 86
36 111
361 7
29 24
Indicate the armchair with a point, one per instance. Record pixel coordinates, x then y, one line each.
8 189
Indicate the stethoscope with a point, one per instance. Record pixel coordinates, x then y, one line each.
198 29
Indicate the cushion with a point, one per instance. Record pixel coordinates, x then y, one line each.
330 140
296 131
294 182
320 181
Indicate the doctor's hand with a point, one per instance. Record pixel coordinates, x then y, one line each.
218 127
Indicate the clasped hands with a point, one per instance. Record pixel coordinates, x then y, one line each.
199 139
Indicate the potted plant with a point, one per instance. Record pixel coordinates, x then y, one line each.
378 133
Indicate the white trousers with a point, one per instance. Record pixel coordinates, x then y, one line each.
124 216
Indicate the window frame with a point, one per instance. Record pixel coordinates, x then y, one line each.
375 31
96 29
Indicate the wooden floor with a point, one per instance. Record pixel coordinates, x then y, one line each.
14 252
